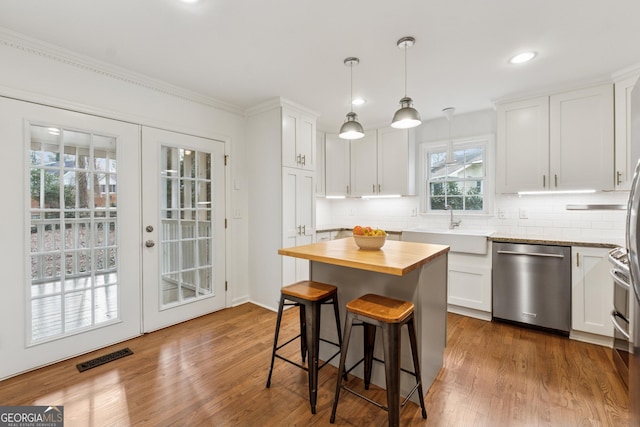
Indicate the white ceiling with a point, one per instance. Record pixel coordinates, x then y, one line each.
244 52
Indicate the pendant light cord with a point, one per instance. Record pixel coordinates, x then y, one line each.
351 99
405 70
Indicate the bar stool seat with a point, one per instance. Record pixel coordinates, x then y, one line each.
309 296
390 315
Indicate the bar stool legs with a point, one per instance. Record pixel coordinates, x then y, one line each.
309 296
358 310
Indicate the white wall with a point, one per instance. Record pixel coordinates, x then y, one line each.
547 216
34 71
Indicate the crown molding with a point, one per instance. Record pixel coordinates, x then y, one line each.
54 53
278 102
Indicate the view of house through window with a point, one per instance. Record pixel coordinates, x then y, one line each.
74 250
459 184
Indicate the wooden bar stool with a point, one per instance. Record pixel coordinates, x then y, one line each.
309 296
390 315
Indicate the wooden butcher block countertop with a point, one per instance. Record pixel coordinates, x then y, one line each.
395 257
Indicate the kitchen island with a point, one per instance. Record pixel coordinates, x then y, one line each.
415 272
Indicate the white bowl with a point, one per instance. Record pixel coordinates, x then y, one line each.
370 242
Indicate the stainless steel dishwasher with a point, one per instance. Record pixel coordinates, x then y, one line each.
532 285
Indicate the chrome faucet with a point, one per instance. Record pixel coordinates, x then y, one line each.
452 224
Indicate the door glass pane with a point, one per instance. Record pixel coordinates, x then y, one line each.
185 209
74 262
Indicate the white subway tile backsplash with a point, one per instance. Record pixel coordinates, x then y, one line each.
547 216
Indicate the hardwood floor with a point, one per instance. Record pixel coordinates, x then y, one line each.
211 371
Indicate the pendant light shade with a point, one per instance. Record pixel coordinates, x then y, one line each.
407 116
351 128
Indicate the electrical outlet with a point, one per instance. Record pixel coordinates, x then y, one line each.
414 212
502 214
524 214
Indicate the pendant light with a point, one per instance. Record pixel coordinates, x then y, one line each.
351 128
448 112
407 116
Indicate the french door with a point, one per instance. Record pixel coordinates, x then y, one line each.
109 230
183 183
70 249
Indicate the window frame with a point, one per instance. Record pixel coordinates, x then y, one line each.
487 142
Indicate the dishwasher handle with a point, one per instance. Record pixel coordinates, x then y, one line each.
615 314
531 254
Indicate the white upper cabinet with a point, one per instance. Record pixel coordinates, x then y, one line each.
364 165
298 139
382 163
337 159
581 139
560 142
625 160
522 145
396 162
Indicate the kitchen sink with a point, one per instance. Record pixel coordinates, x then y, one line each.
459 240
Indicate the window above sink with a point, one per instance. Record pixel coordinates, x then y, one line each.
465 185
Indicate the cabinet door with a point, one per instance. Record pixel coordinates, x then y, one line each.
320 164
298 220
298 140
364 165
290 131
337 166
395 163
523 146
306 143
625 160
581 139
470 286
592 291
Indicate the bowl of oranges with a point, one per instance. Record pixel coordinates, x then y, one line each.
368 238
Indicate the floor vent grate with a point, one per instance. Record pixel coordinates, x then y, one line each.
103 359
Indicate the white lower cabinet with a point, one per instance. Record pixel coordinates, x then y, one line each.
298 219
469 285
325 236
592 294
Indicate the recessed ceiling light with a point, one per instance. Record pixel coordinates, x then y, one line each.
189 1
358 101
522 57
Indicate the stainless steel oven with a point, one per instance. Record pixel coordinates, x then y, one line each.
620 315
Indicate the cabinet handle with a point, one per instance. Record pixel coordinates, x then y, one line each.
299 230
379 188
544 181
555 177
373 188
298 159
347 189
304 230
618 177
577 259
304 160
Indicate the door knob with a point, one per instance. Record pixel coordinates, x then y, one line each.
149 228
149 243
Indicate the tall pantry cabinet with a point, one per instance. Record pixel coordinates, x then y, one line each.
281 144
